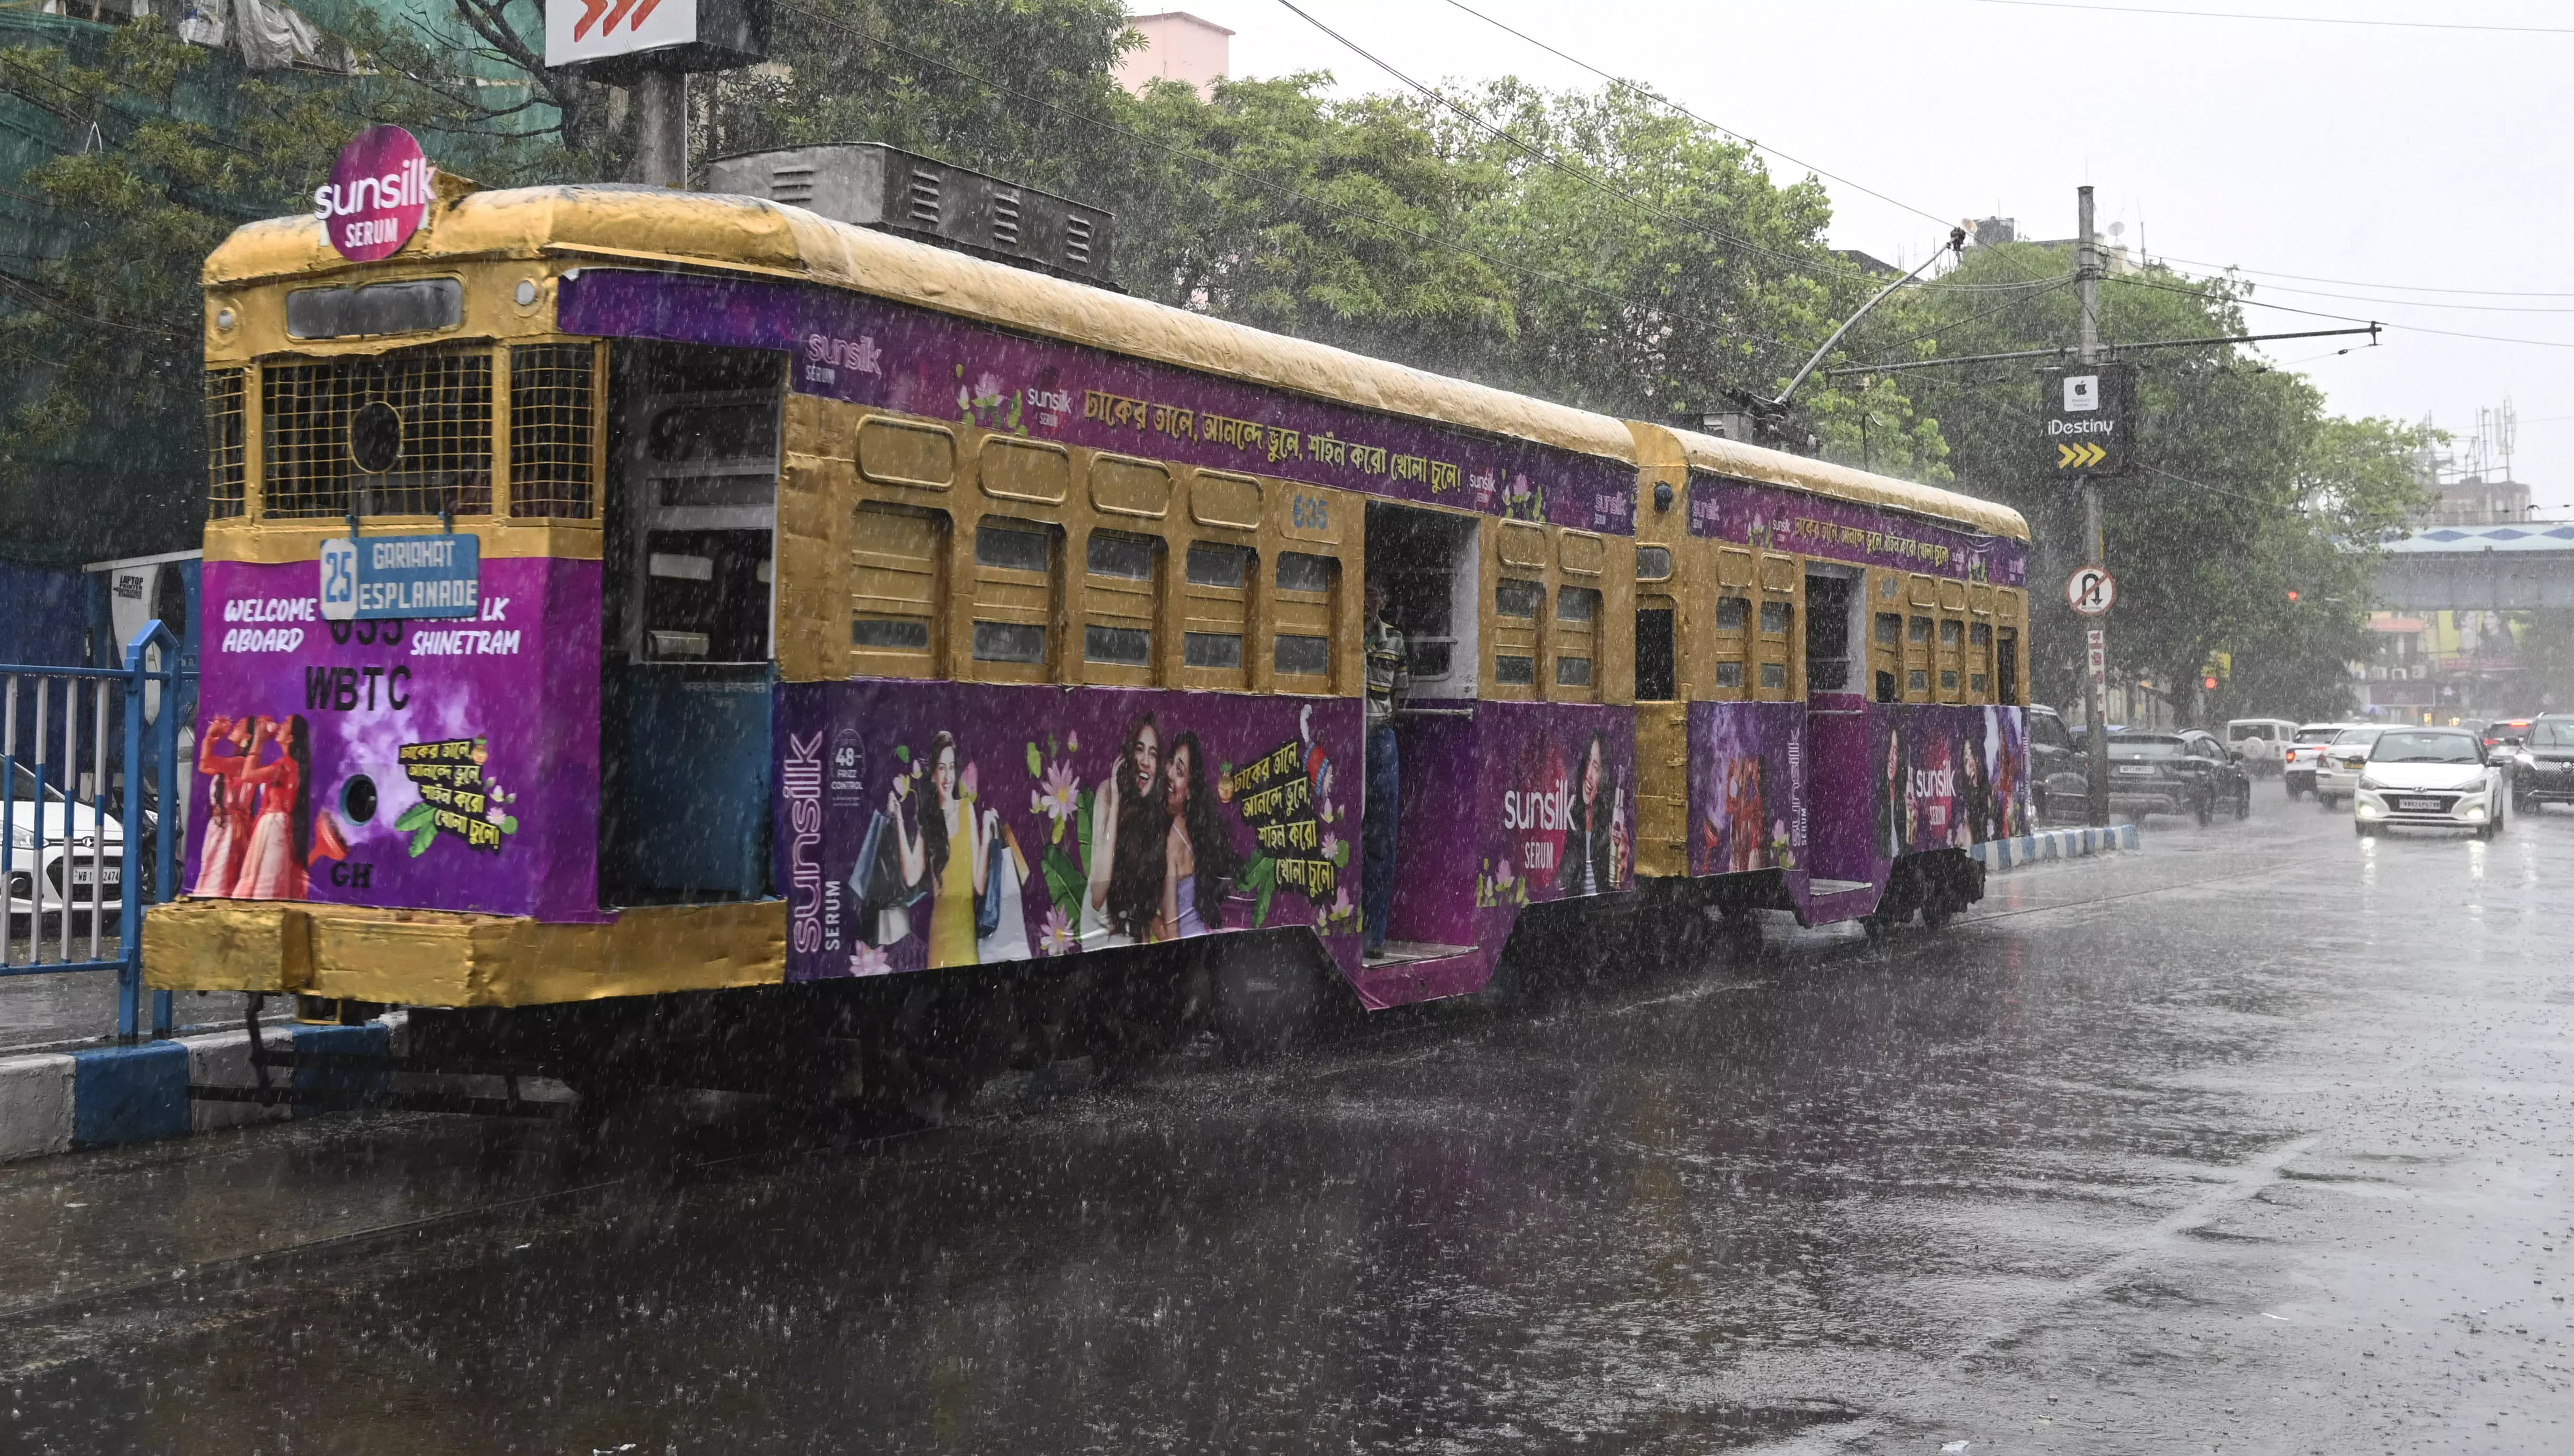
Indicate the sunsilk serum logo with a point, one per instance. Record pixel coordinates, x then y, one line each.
801 781
377 195
1537 808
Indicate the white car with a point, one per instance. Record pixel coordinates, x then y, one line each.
2301 755
2259 744
2431 778
2337 772
56 859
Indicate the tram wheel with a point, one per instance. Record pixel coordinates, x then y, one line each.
1265 993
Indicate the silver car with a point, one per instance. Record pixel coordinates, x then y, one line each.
2431 778
2337 772
63 854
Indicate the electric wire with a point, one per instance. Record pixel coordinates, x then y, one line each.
1193 156
2054 286
1658 99
2351 282
1547 157
2348 318
2283 19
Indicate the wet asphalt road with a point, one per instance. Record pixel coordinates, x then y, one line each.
2254 1142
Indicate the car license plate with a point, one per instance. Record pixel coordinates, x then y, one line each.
80 877
2137 769
2417 806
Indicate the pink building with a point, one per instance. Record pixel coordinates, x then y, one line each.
1177 47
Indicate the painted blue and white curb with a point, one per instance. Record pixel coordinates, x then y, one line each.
102 1097
2056 844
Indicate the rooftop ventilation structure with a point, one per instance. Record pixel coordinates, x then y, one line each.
870 185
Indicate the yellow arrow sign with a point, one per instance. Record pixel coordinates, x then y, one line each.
2078 457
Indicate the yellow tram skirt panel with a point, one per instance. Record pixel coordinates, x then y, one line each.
444 958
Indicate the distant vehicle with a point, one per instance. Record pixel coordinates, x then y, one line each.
2056 772
2505 733
2259 743
2175 773
2542 768
2431 778
2337 772
2229 776
2303 754
56 860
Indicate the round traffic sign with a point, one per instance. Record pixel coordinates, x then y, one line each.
2090 590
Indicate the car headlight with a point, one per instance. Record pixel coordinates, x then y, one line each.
2371 785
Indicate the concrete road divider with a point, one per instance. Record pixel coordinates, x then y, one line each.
2056 844
100 1097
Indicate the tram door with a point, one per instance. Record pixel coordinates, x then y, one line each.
1841 800
692 523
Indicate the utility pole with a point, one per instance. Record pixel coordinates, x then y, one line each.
651 49
662 128
2086 272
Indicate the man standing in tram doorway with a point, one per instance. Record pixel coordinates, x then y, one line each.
1388 677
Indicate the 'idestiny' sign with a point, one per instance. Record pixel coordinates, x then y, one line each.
377 195
381 579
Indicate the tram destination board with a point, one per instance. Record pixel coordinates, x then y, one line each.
2087 421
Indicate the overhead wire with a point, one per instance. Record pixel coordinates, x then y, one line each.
2285 19
2350 318
1193 156
2053 285
1547 157
1662 99
2358 284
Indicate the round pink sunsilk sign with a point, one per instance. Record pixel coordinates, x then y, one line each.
377 195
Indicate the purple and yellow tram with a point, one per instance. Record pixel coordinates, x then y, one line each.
636 616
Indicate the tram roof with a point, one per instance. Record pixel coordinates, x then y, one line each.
635 224
1736 461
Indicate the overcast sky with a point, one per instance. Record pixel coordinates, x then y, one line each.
2392 161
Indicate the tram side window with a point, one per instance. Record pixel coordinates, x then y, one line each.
1732 633
1304 609
1013 599
1916 659
896 591
1979 659
1886 655
1517 606
1216 615
1952 641
1577 637
1777 618
1121 596
2007 669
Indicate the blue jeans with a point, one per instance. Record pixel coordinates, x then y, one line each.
1376 831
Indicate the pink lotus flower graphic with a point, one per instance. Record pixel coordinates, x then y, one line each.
1060 799
870 961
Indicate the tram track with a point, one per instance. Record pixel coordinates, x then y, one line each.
33 1335
89 1312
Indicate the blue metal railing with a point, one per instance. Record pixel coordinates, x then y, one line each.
66 858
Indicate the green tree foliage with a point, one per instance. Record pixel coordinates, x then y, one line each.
2250 491
1592 248
158 150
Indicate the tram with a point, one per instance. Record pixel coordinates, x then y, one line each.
643 609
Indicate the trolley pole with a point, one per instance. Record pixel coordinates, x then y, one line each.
2086 268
